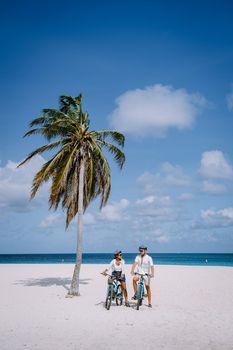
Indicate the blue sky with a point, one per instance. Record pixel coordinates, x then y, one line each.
162 73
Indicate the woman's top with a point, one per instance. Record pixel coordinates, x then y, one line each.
118 268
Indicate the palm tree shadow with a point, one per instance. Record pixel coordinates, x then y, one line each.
50 281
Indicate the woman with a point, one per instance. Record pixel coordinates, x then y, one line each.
117 269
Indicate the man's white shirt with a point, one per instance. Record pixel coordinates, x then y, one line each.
143 264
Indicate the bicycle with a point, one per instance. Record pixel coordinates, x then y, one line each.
114 291
140 292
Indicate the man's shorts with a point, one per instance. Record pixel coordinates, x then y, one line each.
117 274
146 279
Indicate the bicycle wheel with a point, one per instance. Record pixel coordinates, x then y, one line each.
119 301
139 296
108 301
119 296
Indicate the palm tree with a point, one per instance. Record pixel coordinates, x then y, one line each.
79 171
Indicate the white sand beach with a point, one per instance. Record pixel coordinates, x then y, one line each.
192 309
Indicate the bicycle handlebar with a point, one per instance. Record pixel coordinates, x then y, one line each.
105 273
108 274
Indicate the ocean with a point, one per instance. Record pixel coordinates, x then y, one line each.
201 259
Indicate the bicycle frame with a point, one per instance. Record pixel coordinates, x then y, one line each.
140 289
114 284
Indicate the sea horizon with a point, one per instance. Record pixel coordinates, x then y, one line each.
198 259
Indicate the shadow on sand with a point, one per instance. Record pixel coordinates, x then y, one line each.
49 281
133 305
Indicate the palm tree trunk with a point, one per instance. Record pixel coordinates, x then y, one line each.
74 288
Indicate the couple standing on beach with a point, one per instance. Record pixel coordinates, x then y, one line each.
143 264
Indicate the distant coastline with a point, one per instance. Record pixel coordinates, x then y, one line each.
198 259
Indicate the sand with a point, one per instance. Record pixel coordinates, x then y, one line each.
192 309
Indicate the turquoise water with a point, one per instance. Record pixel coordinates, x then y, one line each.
104 258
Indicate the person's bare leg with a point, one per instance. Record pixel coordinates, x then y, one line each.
148 294
135 279
123 286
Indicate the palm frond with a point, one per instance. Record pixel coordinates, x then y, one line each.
114 135
47 171
60 176
49 115
69 102
41 149
118 155
103 175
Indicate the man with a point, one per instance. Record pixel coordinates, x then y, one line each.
144 264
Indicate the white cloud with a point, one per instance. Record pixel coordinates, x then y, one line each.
215 165
149 182
167 175
146 200
155 235
173 175
159 236
148 229
55 220
155 200
89 219
115 211
218 218
213 188
51 220
185 196
15 185
159 207
229 100
155 109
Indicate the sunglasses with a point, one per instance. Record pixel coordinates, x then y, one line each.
141 250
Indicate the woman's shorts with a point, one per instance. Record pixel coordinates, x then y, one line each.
117 274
